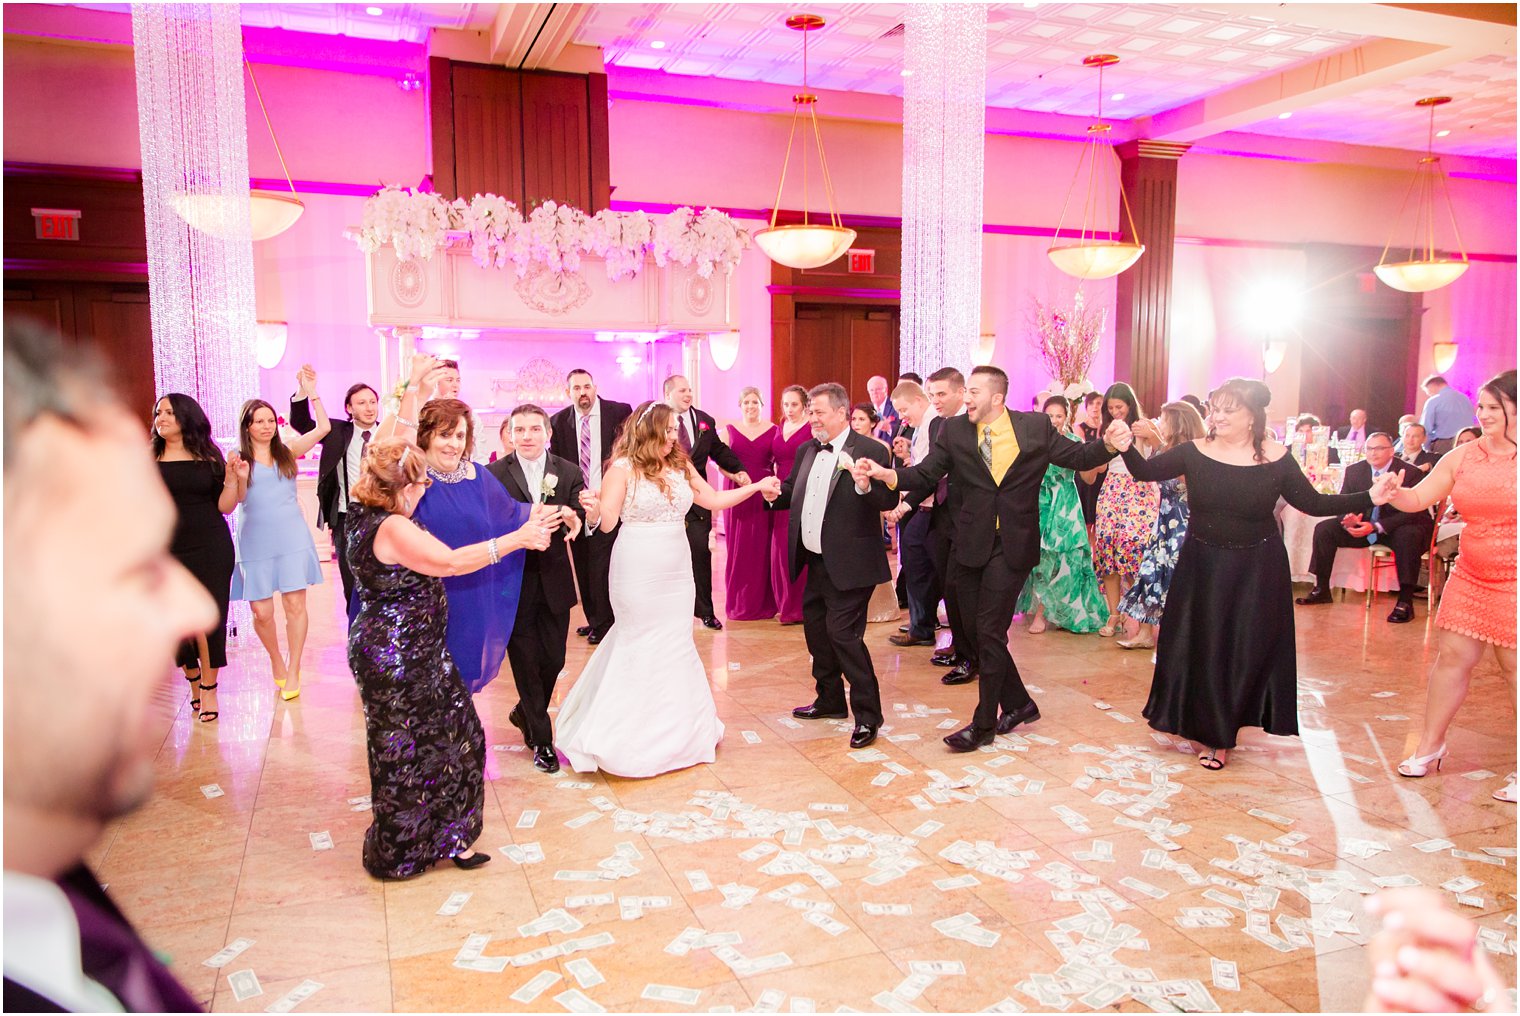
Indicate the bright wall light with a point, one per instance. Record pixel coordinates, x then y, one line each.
269 343
724 349
1272 307
629 362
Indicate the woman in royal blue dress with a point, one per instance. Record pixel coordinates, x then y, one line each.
275 552
466 505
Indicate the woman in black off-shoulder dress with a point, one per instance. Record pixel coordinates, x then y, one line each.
1226 656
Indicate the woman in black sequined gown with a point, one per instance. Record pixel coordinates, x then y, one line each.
1226 655
426 746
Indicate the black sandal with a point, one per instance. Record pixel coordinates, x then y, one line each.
1211 761
195 703
207 717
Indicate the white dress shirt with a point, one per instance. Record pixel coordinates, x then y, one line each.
918 450
533 476
353 462
594 473
42 948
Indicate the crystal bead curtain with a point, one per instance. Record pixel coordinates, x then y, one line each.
194 134
944 120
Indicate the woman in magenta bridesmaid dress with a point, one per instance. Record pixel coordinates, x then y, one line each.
747 527
787 441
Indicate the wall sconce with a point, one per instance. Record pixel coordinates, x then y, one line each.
630 363
269 343
1445 356
724 347
986 344
1272 354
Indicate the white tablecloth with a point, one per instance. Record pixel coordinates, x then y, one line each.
1352 564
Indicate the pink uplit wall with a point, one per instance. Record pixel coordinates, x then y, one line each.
1478 313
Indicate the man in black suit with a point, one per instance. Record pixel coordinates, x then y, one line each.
834 533
699 437
584 433
1407 533
947 392
1416 450
537 647
997 458
340 464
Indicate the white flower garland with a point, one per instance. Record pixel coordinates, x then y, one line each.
417 224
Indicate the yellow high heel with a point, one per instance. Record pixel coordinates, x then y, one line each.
289 696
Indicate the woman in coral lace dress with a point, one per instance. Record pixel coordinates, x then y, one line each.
1478 602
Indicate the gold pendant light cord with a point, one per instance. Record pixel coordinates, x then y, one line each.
259 96
805 98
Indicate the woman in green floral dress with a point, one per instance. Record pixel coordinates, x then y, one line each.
1062 589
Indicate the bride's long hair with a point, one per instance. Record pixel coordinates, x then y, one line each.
642 443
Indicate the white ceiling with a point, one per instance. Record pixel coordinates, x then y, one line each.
1172 55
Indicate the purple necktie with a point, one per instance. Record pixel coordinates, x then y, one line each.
685 435
586 447
363 444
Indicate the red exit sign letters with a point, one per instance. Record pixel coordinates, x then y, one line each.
862 261
56 223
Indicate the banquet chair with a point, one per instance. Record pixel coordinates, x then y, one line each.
1440 567
1379 557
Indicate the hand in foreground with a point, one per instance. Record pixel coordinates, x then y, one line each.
1386 486
591 499
742 478
866 470
238 466
770 487
1118 436
570 520
421 366
546 515
1146 430
1361 529
901 448
1427 959
306 379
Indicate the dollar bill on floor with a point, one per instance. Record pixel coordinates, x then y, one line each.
536 986
212 790
454 904
1226 975
670 993
321 841
231 951
585 973
245 985
573 1000
295 996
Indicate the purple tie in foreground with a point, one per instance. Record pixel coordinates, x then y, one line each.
685 434
586 447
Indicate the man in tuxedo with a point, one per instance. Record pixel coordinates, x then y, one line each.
536 649
834 534
699 438
1415 452
1407 533
997 458
94 608
889 421
584 433
947 393
912 517
340 464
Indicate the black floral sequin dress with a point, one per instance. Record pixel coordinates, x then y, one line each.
426 746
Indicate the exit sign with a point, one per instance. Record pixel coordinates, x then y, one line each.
56 223
862 261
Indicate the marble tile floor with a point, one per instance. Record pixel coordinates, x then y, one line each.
1071 873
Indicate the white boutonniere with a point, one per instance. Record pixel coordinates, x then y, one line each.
550 482
846 463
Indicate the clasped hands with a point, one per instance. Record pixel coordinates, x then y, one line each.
1427 959
543 520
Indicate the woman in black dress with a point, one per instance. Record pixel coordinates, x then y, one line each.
205 488
1226 656
426 746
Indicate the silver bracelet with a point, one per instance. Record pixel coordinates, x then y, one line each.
491 551
406 423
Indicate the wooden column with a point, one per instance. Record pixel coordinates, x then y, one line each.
1142 322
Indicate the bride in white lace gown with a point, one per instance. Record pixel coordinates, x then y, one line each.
643 706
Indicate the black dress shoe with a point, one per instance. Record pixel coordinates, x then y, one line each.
515 718
961 673
815 712
970 738
1316 596
596 637
907 641
583 630
475 860
544 759
863 736
1403 613
1008 721
713 623
945 657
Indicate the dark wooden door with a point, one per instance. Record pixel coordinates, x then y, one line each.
114 316
843 343
1357 363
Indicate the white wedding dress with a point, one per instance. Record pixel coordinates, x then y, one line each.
643 706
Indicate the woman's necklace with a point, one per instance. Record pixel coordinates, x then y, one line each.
453 476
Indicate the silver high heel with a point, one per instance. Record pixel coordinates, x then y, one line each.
1418 765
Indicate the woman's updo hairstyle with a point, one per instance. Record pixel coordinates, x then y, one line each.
390 465
1252 394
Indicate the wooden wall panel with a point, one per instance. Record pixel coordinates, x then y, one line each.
488 132
556 144
1142 322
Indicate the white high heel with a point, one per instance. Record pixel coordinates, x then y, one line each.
1507 793
1418 765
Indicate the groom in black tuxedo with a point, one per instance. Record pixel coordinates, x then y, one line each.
835 533
537 647
996 459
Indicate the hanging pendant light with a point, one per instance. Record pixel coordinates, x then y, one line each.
270 213
806 244
1089 257
1429 270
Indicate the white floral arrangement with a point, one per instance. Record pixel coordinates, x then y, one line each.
417 224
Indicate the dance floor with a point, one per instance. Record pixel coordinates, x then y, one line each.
1088 863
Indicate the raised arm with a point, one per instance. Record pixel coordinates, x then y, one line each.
782 499
300 413
234 484
1436 485
1300 493
924 476
715 500
403 422
1166 466
303 444
400 541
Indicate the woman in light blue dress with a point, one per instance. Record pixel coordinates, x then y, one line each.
275 552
